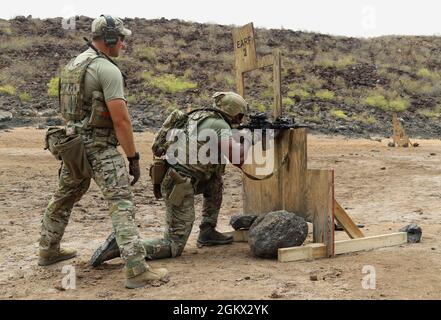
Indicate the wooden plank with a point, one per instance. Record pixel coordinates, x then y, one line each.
399 135
311 251
240 86
320 206
345 220
245 48
294 173
318 250
277 83
238 235
368 243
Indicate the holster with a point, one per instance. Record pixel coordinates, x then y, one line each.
73 153
157 172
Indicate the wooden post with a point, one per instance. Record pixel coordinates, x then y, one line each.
320 207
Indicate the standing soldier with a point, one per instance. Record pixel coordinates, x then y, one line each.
97 120
185 179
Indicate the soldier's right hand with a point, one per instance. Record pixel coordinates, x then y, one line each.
134 168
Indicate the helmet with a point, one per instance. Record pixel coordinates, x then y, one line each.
230 103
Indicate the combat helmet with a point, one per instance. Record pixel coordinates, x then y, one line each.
230 103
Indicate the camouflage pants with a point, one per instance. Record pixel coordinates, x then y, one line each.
180 219
110 174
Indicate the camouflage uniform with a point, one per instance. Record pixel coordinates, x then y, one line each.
200 179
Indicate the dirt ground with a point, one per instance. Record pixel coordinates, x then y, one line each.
383 188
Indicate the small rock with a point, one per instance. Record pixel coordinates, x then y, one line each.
276 295
313 276
383 168
433 154
59 288
242 221
414 233
5 116
391 145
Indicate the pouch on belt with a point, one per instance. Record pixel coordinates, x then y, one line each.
73 153
180 189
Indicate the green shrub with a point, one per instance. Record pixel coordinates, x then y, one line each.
287 102
168 83
145 53
377 101
427 74
8 90
339 114
364 118
313 119
325 95
300 93
398 105
52 87
431 114
25 97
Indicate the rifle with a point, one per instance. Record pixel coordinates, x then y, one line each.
259 120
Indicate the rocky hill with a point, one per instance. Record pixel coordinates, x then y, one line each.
339 85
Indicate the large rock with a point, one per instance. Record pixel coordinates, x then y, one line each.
243 222
275 230
5 116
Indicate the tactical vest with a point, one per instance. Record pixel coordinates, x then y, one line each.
71 91
198 170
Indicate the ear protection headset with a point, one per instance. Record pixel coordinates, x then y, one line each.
111 35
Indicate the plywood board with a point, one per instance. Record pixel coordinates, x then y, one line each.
318 250
287 188
320 206
294 174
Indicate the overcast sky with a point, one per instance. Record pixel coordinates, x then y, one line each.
360 18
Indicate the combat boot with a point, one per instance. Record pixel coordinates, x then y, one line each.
210 237
107 251
48 257
148 277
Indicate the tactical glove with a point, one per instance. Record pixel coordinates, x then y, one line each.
134 169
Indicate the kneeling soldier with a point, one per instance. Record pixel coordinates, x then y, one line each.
184 179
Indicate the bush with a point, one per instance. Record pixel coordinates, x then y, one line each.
431 114
364 118
377 101
398 105
339 114
325 95
24 97
169 83
52 87
427 74
287 102
145 53
8 90
300 93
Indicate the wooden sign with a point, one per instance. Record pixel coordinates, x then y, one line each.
400 137
245 48
247 60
